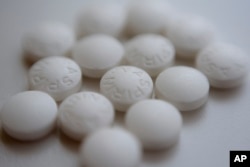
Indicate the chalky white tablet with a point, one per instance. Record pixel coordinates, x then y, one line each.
83 113
185 87
29 115
111 148
105 18
148 16
152 53
155 122
96 54
125 85
225 65
48 39
58 76
190 34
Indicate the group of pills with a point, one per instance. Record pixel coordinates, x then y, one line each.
125 70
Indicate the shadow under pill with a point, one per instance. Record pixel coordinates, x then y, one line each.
27 60
226 94
68 143
192 117
90 84
27 147
184 62
158 156
120 118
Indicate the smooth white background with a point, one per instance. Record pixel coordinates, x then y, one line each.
208 134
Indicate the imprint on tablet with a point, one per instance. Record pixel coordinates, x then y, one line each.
53 86
67 81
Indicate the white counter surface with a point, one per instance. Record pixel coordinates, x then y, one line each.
208 134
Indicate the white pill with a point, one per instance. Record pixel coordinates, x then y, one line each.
190 34
111 148
125 85
225 65
152 53
29 115
48 39
83 113
156 123
96 54
148 16
105 18
185 87
57 76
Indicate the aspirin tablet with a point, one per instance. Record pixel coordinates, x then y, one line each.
225 65
58 76
29 115
185 87
111 148
156 123
96 54
152 53
48 39
105 18
82 113
148 16
190 34
125 85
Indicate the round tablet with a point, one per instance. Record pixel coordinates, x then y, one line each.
84 112
107 18
111 148
152 53
190 34
58 76
148 16
185 87
125 85
225 65
156 123
48 39
29 115
96 54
